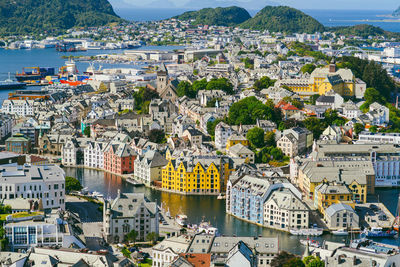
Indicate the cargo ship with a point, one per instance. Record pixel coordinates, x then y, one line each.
34 74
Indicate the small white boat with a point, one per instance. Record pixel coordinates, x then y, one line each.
307 232
311 243
340 232
181 219
206 228
96 194
294 231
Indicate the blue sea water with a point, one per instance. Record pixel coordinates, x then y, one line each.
326 17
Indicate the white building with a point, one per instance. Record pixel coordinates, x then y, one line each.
165 253
341 216
93 155
285 210
46 182
19 107
129 211
366 137
6 124
68 153
148 167
222 132
351 110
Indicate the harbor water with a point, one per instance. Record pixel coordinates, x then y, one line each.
209 208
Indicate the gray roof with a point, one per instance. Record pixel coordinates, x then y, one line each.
128 204
223 244
332 209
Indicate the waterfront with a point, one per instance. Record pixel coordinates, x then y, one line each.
207 207
12 61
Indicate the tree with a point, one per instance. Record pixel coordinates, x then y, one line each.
156 136
312 261
199 85
269 139
372 95
315 126
72 184
358 128
220 84
152 236
256 137
86 131
308 68
373 129
294 262
131 236
282 258
185 89
211 126
264 82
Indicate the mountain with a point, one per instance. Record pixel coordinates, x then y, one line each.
363 30
37 16
221 16
283 19
396 13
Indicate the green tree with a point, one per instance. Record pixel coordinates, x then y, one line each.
282 258
256 137
358 128
199 85
152 236
185 89
269 139
373 129
72 184
372 95
315 126
131 236
220 84
156 136
308 68
294 262
264 82
86 131
211 126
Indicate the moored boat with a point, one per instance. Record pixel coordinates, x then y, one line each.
340 232
377 232
181 219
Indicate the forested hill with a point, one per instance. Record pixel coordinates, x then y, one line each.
283 19
220 16
39 16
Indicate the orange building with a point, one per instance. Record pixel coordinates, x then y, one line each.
119 158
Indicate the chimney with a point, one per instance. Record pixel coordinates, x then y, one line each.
354 260
332 66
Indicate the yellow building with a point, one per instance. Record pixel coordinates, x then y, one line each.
236 139
327 194
323 80
196 175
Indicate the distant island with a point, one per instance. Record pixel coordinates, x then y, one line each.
44 16
220 16
283 19
396 13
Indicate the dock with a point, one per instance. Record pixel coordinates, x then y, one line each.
134 182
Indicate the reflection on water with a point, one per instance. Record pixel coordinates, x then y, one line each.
208 208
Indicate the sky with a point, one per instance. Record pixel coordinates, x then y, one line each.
257 4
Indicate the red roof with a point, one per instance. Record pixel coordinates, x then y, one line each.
289 107
198 260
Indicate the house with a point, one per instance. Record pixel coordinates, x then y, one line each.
195 136
332 133
241 256
222 132
379 114
303 136
119 158
93 155
266 125
289 110
331 99
341 216
167 251
236 139
21 108
242 151
69 152
289 145
18 143
351 110
147 168
127 212
327 194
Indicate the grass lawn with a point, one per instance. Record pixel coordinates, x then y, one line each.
3 217
146 263
25 214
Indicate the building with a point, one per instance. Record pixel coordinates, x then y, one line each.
18 144
366 137
28 130
222 132
327 194
351 110
196 175
69 152
93 155
241 256
32 182
265 248
235 139
289 145
341 216
10 157
40 230
331 99
241 151
21 108
166 87
195 136
119 158
303 136
284 210
148 167
129 211
6 125
167 251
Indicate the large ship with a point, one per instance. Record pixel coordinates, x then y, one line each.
10 84
34 74
378 232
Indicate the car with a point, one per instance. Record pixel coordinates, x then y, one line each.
374 207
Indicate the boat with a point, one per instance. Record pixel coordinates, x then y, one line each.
377 232
96 194
340 232
307 232
34 73
181 219
10 84
310 242
207 228
396 223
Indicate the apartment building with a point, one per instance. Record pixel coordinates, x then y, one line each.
148 168
21 108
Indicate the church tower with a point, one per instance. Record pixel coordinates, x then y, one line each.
162 78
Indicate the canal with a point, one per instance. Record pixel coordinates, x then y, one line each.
208 208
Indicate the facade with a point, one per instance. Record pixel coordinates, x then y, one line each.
18 144
222 132
69 153
236 139
148 168
195 175
129 211
32 182
195 136
93 155
327 194
243 152
21 108
119 158
289 145
341 216
6 125
167 251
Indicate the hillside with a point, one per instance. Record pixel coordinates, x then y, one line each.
363 30
220 16
396 13
38 16
283 19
